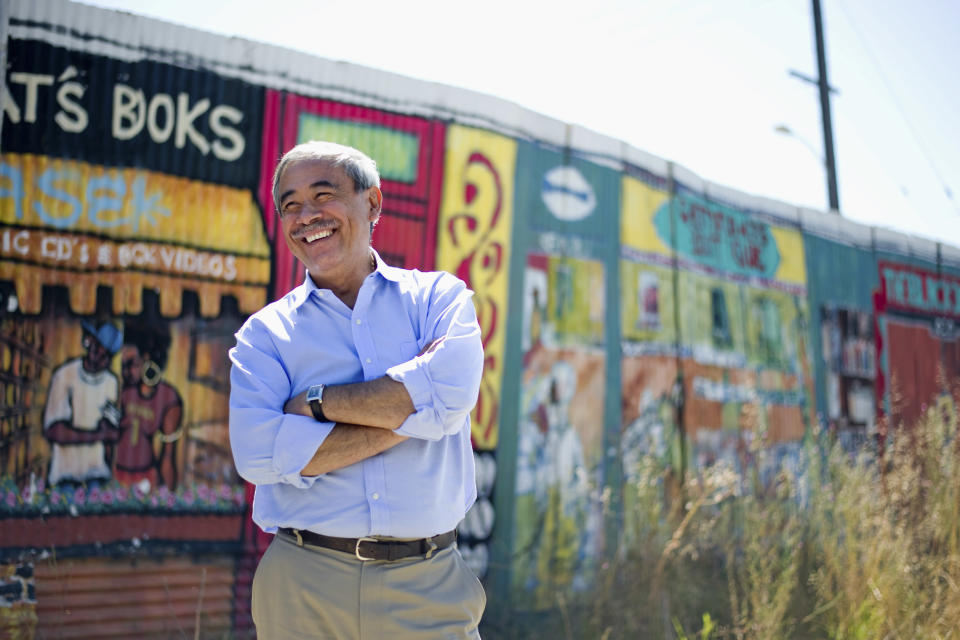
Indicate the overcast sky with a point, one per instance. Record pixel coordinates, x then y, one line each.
703 83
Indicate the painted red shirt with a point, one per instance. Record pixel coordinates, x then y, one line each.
142 418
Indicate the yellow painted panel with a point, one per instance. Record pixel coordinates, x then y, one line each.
640 203
70 196
476 219
793 263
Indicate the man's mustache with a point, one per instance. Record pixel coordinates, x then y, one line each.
320 225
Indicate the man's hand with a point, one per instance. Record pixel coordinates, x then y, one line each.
430 348
298 405
382 402
349 444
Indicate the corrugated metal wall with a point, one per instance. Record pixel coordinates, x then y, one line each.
627 307
137 597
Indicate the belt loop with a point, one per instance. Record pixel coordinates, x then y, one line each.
296 532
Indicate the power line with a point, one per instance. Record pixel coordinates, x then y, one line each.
874 60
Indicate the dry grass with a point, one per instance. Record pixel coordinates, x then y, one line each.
856 547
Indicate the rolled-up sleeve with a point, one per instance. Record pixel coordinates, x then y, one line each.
269 446
444 382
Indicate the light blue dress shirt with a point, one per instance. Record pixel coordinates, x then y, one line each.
420 487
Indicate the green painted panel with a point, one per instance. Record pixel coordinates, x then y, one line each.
718 237
396 152
567 194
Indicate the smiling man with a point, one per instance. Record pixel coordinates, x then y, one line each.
350 412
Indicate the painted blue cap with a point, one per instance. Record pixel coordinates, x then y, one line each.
106 334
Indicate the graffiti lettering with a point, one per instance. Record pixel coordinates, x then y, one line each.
16 242
32 83
556 243
137 254
104 197
81 251
705 226
62 248
72 117
747 238
13 189
921 290
199 262
163 118
104 256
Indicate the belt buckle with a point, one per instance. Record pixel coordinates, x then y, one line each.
356 550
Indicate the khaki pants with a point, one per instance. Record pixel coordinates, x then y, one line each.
314 592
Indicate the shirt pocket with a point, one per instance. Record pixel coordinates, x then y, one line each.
392 352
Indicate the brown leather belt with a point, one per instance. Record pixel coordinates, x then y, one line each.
372 548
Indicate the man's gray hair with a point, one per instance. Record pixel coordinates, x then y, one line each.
355 163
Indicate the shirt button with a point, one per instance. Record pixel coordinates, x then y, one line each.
358 320
368 361
375 496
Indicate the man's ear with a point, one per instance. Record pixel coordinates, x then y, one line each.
376 203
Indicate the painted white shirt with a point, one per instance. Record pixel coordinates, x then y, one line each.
78 397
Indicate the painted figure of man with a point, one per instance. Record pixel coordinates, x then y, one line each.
152 411
553 490
81 414
564 477
350 412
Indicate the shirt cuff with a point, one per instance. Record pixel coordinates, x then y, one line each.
421 425
412 374
297 440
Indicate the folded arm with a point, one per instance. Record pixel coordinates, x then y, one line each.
428 396
348 444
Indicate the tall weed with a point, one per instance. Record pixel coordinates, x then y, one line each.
857 546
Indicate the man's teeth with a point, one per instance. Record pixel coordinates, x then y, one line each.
319 234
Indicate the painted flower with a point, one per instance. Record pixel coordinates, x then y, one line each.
142 488
205 493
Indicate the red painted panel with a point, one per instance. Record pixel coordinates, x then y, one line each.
915 356
407 233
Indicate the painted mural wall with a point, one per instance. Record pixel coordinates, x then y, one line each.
629 312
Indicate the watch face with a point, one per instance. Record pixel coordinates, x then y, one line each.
315 393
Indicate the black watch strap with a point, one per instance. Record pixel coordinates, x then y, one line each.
317 409
315 400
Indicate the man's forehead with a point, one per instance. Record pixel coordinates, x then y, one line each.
310 170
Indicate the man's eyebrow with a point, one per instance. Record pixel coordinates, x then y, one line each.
318 183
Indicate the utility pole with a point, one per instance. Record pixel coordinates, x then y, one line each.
824 87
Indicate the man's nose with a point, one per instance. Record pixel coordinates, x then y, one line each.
309 212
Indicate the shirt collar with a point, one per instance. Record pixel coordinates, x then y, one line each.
390 273
302 293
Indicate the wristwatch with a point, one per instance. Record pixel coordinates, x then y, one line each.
315 400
